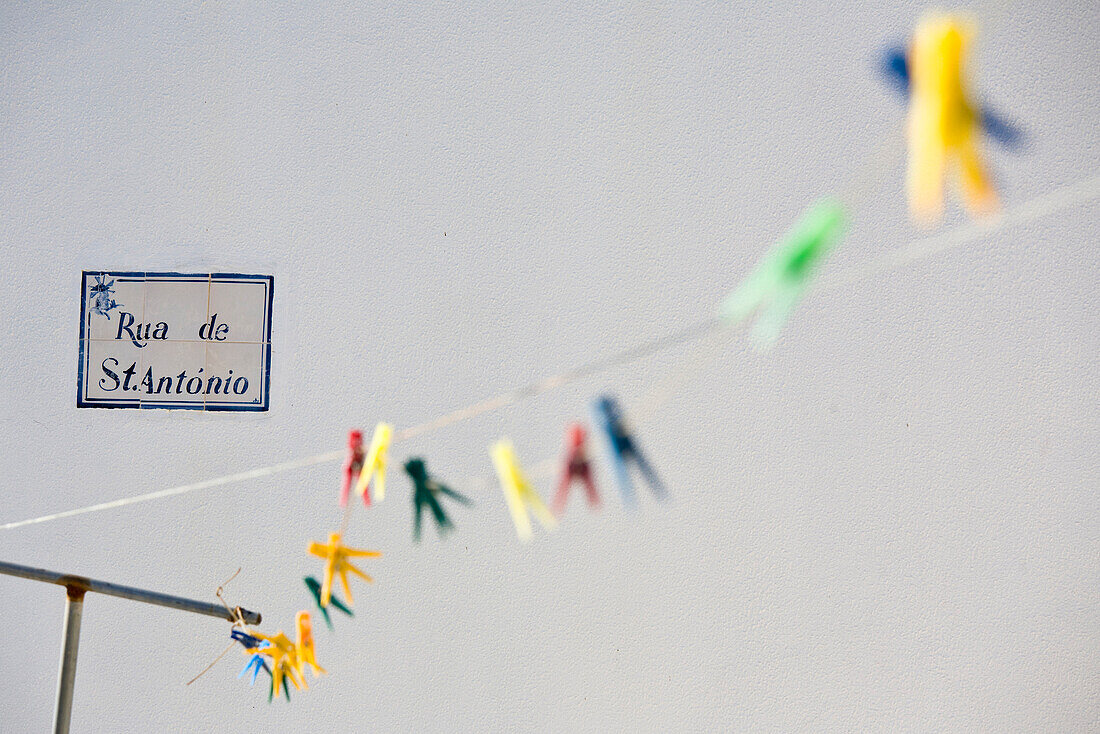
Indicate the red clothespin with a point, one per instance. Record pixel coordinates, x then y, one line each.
576 467
352 465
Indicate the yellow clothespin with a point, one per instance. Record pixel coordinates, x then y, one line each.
519 493
336 557
303 647
944 126
284 660
375 463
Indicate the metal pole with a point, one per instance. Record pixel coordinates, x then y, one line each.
127 592
75 589
70 641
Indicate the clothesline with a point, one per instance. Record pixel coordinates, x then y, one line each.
1055 201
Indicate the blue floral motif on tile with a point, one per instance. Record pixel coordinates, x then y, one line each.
101 292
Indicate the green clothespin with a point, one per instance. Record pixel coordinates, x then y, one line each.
314 587
777 284
425 491
271 692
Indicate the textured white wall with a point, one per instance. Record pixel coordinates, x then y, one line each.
888 523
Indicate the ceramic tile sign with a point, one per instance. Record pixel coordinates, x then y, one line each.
197 341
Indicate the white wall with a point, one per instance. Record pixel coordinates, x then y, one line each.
890 522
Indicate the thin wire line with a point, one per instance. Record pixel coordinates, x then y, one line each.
703 357
553 382
239 622
1055 201
1044 205
185 488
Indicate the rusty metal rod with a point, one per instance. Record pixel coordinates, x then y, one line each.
66 673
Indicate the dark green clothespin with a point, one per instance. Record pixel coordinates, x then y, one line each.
271 693
314 587
425 490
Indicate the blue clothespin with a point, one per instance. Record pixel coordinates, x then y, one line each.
622 448
895 67
246 639
256 662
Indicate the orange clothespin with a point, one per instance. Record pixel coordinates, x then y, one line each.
336 556
944 126
518 492
303 647
375 464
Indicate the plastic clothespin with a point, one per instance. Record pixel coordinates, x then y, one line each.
304 649
576 467
284 661
375 464
623 448
336 557
518 492
778 282
425 491
256 662
895 67
353 464
314 587
944 131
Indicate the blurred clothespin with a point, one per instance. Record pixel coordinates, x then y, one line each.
425 491
353 464
944 132
336 556
284 661
375 464
895 68
623 449
518 492
577 467
778 282
314 587
256 662
304 649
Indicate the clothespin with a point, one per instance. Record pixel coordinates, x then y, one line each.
284 661
944 132
518 492
353 464
623 448
778 282
425 491
256 662
375 464
576 467
314 587
303 646
271 693
895 67
336 557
